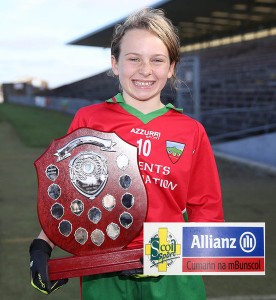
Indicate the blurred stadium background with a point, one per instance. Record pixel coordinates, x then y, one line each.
227 70
228 81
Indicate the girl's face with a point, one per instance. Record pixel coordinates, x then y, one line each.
143 66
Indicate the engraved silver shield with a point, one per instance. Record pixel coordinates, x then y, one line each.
88 173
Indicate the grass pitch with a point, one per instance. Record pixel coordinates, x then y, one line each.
248 193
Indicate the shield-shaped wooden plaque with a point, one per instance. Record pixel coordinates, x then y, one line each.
92 202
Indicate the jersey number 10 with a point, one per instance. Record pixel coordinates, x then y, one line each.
144 147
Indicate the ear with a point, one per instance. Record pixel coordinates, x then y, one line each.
171 69
114 65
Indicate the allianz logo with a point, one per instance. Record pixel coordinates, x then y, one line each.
247 242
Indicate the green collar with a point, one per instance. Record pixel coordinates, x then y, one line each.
145 118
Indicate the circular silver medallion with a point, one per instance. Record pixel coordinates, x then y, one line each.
81 235
88 173
113 230
97 237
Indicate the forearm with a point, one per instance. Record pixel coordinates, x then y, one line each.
44 237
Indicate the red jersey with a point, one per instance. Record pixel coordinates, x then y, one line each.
175 159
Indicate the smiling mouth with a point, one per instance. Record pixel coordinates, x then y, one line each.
143 83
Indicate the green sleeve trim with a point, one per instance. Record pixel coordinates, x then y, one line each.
185 215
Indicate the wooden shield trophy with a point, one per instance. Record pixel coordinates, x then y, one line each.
92 202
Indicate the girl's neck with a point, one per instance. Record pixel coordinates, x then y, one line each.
144 106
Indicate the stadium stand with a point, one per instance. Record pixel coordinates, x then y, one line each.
238 95
99 87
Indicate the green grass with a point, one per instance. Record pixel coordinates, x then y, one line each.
36 127
249 196
18 191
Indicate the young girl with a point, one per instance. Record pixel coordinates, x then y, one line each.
144 55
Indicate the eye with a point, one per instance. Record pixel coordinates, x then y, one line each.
134 59
158 60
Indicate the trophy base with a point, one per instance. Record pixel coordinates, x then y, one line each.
78 266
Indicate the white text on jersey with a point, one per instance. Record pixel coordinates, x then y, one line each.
147 133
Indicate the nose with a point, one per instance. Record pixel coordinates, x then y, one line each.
145 68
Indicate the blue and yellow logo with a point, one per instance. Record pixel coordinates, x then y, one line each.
162 250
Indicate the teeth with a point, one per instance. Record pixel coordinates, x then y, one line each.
143 83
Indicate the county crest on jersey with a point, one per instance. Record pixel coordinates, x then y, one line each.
174 150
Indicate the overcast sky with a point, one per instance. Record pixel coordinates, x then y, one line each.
34 33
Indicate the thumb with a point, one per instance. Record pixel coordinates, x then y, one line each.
56 284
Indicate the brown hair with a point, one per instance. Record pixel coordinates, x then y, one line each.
155 21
